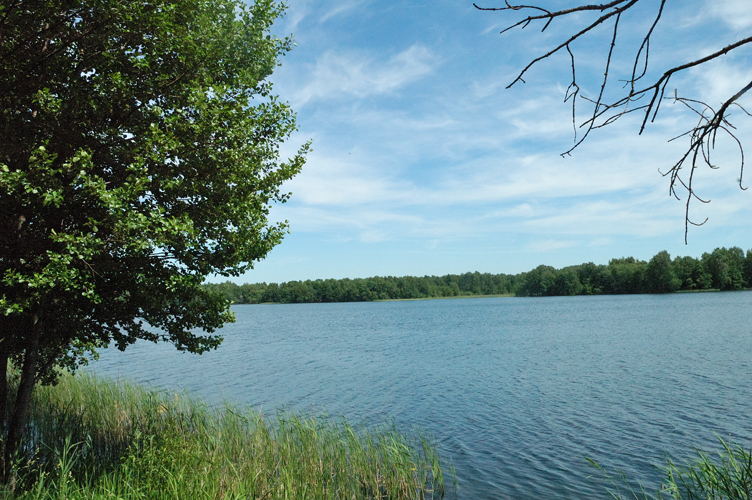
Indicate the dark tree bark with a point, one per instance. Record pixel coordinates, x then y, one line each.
15 426
3 393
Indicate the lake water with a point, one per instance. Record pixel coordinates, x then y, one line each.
517 391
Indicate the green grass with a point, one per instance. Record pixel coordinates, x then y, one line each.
724 475
92 438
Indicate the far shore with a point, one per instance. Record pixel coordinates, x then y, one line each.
504 295
447 297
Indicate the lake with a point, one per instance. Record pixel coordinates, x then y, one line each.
517 391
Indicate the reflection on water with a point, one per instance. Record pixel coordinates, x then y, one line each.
517 391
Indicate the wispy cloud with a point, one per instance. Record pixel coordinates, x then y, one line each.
338 75
422 155
718 80
341 9
736 13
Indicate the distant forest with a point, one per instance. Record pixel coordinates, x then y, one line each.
723 269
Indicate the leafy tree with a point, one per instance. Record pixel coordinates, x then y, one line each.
735 258
539 282
627 276
140 154
566 283
691 273
591 277
631 85
272 293
659 274
726 267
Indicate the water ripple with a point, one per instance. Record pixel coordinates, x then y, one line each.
516 391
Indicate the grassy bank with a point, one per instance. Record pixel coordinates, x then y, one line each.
94 438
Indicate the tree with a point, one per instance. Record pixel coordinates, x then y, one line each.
627 276
660 276
540 282
140 153
636 96
566 283
691 273
726 268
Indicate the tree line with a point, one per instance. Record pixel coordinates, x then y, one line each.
368 289
723 269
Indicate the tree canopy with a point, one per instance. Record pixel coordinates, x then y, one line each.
723 269
140 153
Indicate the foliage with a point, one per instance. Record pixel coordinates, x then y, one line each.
94 438
726 268
539 282
692 274
368 289
659 274
140 153
723 269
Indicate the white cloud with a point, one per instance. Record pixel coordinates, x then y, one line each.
296 12
338 75
719 80
421 154
344 181
641 217
341 9
736 13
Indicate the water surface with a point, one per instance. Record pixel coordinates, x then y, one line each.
518 391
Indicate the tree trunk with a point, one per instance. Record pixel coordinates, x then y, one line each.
3 398
23 397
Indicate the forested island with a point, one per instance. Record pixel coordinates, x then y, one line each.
723 269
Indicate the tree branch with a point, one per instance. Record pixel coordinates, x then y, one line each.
702 135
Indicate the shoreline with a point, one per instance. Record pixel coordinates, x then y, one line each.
507 295
440 298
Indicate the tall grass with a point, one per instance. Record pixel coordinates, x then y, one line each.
93 438
724 475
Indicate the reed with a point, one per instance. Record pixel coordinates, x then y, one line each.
94 438
726 474
723 475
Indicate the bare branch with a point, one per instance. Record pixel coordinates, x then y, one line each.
573 95
603 87
663 80
647 99
646 47
571 39
559 13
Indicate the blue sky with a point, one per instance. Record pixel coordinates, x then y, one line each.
424 164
